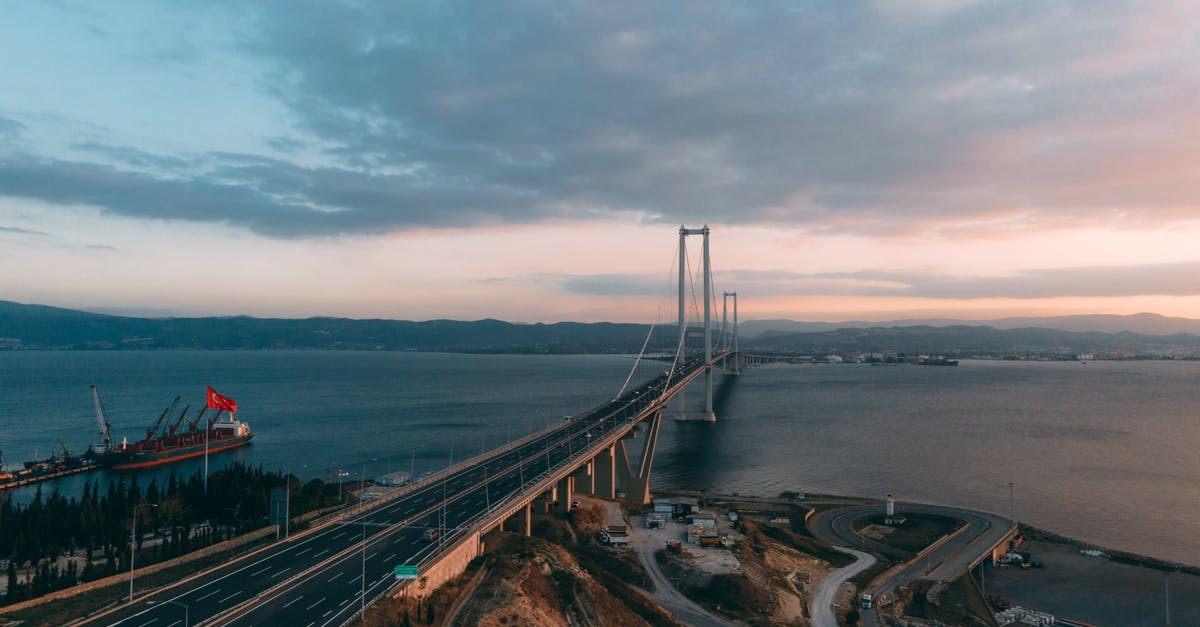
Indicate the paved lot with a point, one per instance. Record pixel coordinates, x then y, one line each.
1095 590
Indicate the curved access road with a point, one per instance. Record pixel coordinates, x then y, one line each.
942 561
826 590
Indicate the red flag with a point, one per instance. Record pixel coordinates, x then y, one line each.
216 401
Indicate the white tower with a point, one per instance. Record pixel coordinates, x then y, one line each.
890 509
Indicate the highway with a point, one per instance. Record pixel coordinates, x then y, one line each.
945 562
319 578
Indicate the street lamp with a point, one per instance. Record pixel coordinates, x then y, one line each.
1012 511
185 611
1167 594
487 493
362 484
133 544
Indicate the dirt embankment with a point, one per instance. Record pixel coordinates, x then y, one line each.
559 576
770 585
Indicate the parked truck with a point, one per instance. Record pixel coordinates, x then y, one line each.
614 537
714 541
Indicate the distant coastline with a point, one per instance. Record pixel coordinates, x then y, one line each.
37 327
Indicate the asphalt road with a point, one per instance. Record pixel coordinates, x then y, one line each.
944 563
826 590
323 577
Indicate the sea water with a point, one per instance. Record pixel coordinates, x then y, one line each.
1104 452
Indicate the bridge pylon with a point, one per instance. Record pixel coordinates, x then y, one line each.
707 415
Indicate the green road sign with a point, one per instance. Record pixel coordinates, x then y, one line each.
406 572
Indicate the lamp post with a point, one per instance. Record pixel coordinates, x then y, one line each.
487 493
1167 594
185 611
1012 511
362 483
133 545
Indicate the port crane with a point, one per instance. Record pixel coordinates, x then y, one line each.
175 427
192 424
105 442
158 423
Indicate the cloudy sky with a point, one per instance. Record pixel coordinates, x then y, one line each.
533 160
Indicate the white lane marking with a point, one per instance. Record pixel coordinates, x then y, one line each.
335 577
312 538
152 620
326 614
416 540
356 579
389 558
209 594
175 623
309 608
320 554
293 601
230 596
280 572
298 554
260 572
338 535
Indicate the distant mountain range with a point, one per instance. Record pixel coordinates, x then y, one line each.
37 327
41 327
1144 323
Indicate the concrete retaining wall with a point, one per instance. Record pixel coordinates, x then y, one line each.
145 570
450 566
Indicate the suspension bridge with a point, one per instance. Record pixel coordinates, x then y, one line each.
425 534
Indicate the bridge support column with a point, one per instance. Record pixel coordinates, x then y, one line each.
566 492
585 479
527 519
605 472
637 486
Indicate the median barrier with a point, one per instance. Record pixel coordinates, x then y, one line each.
123 578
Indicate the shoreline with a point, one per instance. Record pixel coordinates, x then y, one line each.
1030 532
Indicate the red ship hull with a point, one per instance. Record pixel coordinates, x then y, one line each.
123 460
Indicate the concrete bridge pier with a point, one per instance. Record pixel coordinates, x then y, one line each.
566 492
585 479
605 474
636 485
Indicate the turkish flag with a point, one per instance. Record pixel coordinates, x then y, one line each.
216 401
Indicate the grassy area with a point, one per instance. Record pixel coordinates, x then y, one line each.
62 611
958 603
863 578
916 534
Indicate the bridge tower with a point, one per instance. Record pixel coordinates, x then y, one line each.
708 414
730 339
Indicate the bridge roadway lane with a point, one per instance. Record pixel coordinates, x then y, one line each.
463 493
944 563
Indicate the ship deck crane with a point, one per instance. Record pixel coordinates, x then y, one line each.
153 430
175 427
105 427
196 420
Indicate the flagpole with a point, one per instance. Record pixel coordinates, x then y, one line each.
207 428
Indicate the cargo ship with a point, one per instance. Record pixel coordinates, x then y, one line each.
221 433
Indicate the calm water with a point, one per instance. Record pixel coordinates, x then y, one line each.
1104 452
